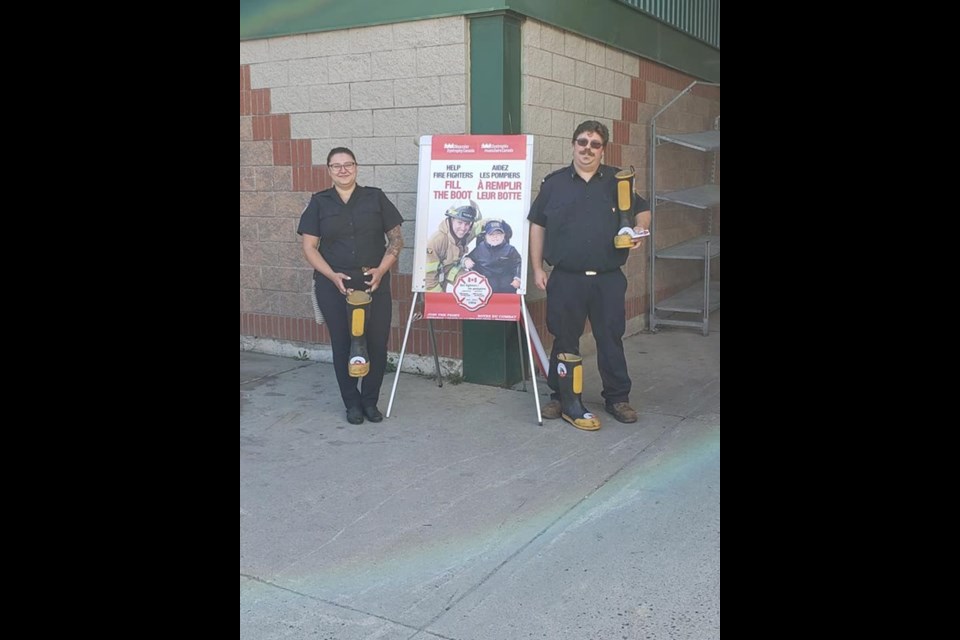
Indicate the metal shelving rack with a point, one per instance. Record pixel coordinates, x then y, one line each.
703 297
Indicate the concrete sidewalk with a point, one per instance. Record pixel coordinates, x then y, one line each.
460 518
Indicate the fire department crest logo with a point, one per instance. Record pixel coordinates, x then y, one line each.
472 291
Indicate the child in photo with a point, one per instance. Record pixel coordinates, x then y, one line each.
495 258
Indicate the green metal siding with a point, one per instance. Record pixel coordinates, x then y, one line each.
609 21
267 18
699 18
620 25
495 67
491 350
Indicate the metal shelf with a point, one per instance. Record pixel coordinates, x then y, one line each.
691 249
700 197
690 300
692 306
701 140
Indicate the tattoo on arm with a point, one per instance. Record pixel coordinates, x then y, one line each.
395 239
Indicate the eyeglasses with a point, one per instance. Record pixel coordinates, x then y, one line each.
594 144
346 165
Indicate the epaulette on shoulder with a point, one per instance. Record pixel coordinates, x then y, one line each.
554 173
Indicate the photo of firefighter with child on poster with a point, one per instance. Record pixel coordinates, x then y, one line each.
473 196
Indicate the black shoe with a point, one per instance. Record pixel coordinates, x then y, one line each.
373 414
355 415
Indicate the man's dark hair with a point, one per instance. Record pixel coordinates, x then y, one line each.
595 127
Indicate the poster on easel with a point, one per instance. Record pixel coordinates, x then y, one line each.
473 195
470 243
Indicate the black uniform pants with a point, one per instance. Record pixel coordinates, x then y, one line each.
571 299
333 305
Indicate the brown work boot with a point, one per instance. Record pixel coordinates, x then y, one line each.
622 411
551 410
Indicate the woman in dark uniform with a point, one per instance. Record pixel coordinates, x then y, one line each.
343 231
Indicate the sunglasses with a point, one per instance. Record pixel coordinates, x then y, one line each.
594 144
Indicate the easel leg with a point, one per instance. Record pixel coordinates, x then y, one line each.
436 358
403 349
523 367
528 322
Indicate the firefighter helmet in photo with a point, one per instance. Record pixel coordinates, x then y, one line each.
468 213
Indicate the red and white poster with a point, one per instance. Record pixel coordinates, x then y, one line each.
473 196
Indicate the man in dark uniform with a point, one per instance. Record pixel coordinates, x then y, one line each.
574 220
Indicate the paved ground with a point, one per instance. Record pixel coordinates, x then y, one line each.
459 518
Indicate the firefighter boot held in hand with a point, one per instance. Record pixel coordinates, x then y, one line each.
359 363
570 378
624 237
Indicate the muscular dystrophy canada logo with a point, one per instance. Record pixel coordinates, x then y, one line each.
491 147
472 291
453 147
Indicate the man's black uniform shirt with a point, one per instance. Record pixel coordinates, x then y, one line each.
581 220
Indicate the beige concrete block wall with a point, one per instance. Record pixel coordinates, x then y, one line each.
375 90
568 79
